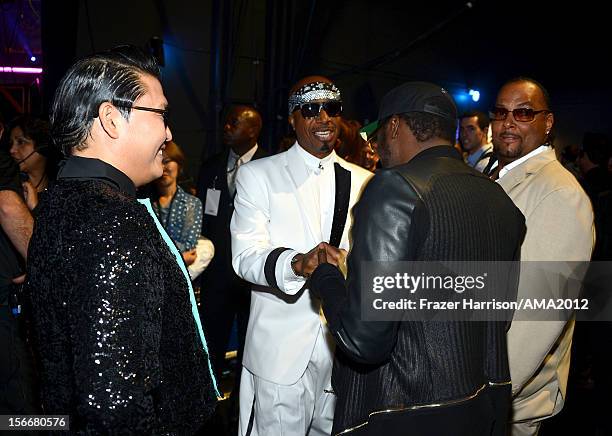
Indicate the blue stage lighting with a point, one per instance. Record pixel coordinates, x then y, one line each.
475 94
461 97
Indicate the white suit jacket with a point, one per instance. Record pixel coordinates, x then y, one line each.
273 208
559 221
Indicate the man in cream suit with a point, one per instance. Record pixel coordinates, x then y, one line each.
559 222
288 207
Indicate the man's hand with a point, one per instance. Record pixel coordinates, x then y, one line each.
306 263
321 255
189 256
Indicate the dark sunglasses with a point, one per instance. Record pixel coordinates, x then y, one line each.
311 110
163 112
521 114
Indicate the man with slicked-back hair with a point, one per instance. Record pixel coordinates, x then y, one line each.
121 346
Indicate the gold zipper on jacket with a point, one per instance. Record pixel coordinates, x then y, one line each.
426 406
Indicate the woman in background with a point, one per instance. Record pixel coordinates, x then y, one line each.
29 142
179 213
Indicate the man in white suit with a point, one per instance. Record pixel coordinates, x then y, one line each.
288 207
559 223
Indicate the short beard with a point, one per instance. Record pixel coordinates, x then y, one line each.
506 156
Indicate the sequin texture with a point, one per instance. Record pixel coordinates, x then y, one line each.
112 317
313 91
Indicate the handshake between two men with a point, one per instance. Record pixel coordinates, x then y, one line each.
304 264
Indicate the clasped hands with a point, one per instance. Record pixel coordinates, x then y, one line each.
304 264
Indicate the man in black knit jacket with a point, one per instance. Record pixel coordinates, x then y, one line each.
421 377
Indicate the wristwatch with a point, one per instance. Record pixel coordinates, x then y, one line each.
295 260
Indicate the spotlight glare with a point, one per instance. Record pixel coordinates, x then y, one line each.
33 58
475 94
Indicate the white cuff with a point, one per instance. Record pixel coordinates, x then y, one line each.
287 280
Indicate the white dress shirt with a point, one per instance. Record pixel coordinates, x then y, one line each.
233 162
322 178
517 162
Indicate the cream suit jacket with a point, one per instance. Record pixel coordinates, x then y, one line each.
559 220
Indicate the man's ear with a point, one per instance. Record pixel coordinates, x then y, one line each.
109 119
394 125
550 120
291 121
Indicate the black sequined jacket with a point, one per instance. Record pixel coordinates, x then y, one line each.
114 328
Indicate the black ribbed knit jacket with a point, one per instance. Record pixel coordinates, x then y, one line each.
433 208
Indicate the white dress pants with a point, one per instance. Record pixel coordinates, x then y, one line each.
303 408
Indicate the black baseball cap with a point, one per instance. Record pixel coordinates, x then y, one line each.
415 97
